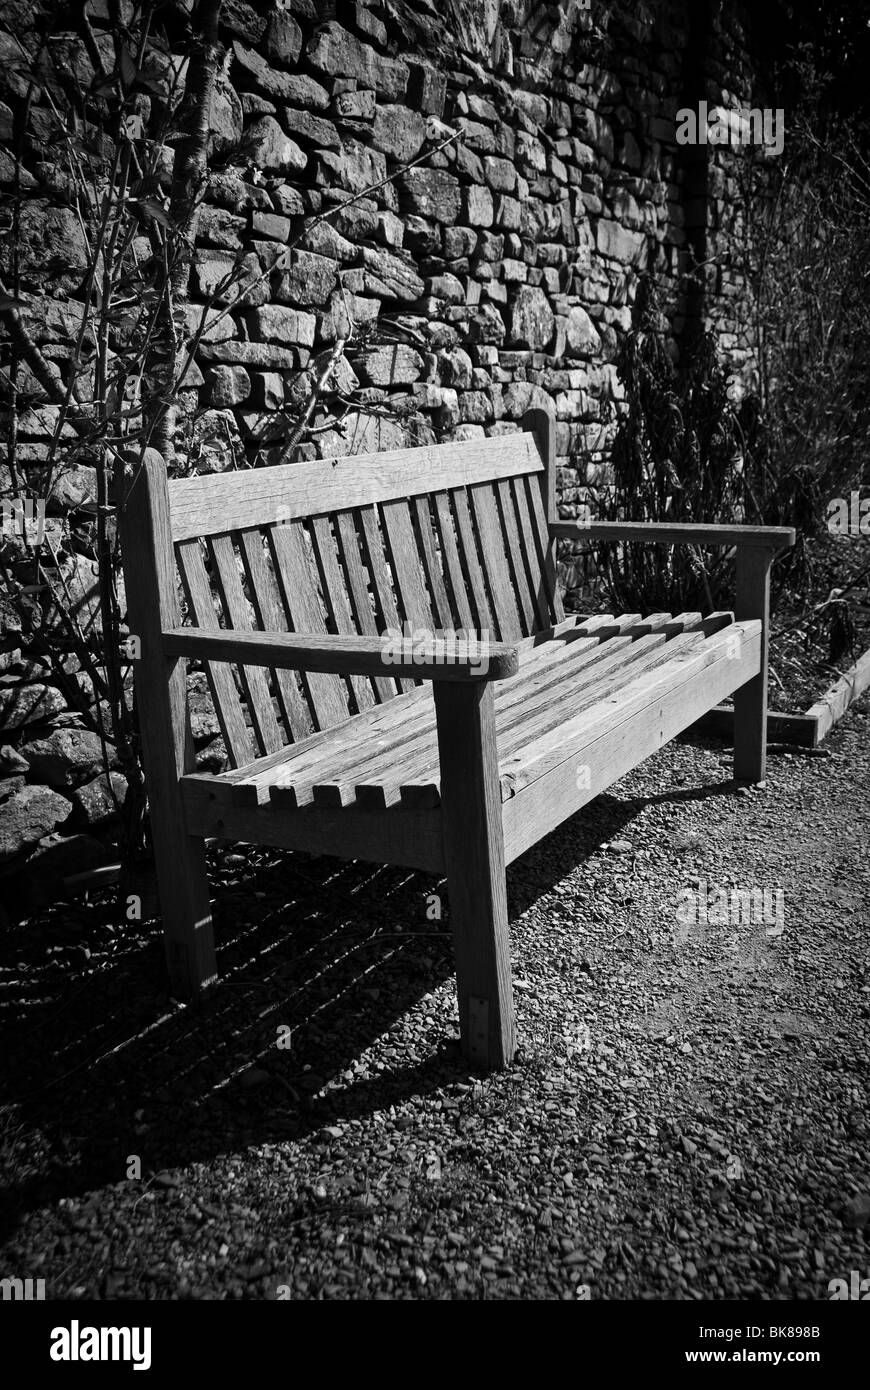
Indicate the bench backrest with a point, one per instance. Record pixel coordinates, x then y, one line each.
450 537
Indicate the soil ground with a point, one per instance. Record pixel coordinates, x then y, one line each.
686 1116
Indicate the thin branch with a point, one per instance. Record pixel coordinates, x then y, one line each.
290 447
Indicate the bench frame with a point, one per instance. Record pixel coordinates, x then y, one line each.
474 832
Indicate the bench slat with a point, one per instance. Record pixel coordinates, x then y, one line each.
361 759
362 772
432 565
463 616
544 544
370 766
467 545
250 785
271 617
492 547
522 588
405 562
254 678
297 576
360 597
335 593
225 696
535 575
381 579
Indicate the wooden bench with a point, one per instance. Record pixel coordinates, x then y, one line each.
320 598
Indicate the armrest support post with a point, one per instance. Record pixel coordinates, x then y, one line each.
752 600
475 862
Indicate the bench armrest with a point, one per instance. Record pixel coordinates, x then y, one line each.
420 657
670 533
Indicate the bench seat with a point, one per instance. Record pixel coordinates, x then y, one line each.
577 683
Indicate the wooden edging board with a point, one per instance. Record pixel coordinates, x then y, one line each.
804 730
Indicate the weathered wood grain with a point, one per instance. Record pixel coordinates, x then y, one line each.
750 702
271 617
613 744
167 745
474 859
254 678
292 492
676 533
225 695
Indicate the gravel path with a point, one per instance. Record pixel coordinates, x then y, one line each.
686 1118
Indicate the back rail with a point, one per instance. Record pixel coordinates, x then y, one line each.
218 502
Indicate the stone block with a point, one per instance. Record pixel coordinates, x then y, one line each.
390 277
393 365
354 106
427 88
500 174
271 224
27 816
283 38
486 325
268 147
310 129
229 190
459 242
226 119
216 227
338 53
430 193
96 804
478 210
468 164
619 243
389 229
354 168
361 433
398 132
278 324
267 390
309 280
296 88
532 322
228 386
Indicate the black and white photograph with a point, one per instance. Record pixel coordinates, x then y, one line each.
434 671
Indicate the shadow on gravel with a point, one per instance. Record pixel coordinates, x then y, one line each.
102 1065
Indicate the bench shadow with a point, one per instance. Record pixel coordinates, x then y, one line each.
101 1065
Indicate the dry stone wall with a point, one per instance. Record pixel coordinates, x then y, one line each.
494 274
502 267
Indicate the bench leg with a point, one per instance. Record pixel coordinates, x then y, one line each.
161 705
188 937
750 701
474 857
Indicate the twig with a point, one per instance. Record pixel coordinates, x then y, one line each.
299 429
